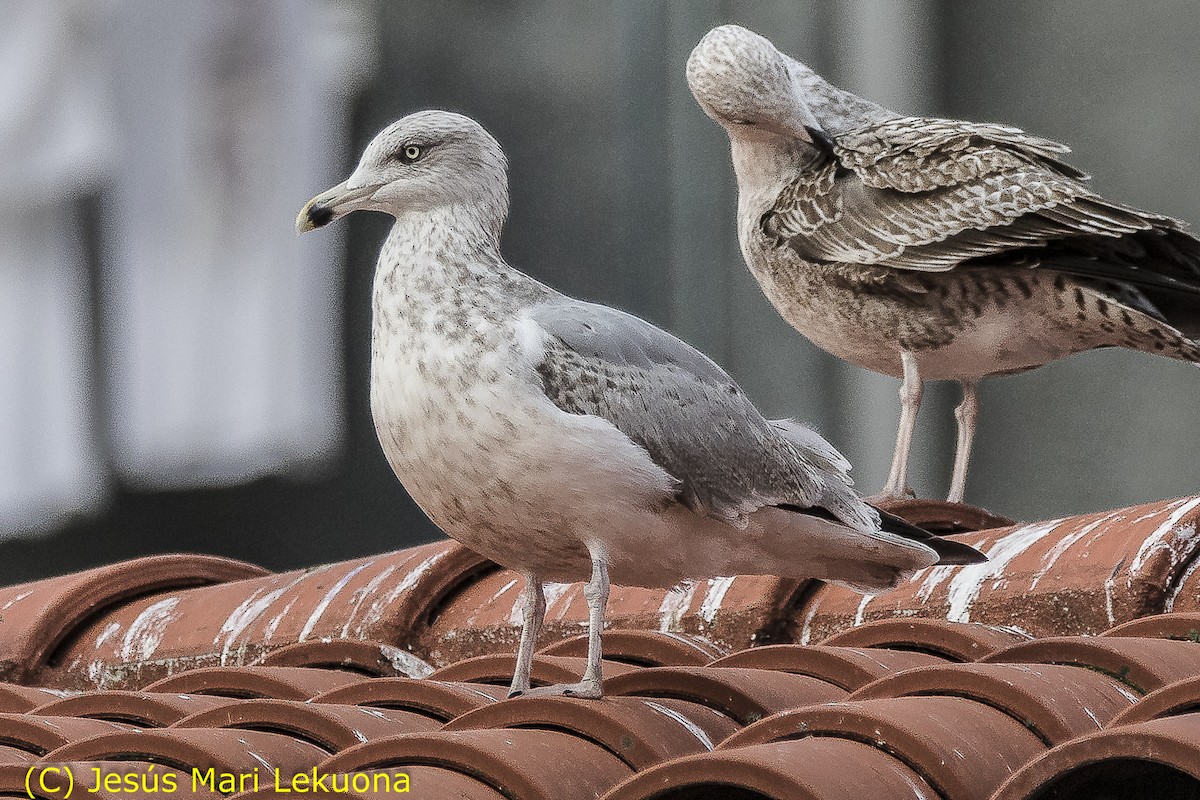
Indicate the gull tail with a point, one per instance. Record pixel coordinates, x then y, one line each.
949 551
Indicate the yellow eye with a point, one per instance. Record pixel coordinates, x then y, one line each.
410 154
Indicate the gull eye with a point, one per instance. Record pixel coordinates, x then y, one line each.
410 153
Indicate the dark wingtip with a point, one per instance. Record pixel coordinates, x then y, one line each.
949 550
822 140
953 552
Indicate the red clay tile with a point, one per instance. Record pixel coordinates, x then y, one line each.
116 780
141 709
951 641
386 598
636 730
14 755
744 695
439 700
240 752
374 659
15 698
498 669
1056 702
847 667
643 648
941 517
331 726
1080 575
485 617
1177 625
715 724
1141 664
281 683
802 769
1180 697
1157 759
42 619
962 748
423 781
37 735
520 763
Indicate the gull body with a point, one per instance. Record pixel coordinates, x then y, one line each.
931 249
571 441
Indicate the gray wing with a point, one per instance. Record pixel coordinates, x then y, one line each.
688 414
928 194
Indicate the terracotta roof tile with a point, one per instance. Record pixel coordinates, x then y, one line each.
139 780
742 694
498 669
441 700
1155 759
636 730
1180 697
283 683
42 619
952 641
963 749
373 659
23 736
386 598
643 648
331 726
730 613
845 667
1141 664
223 750
814 767
1057 703
1080 575
140 709
519 762
16 698
312 670
1176 625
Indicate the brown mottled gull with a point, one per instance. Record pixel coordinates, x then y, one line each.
933 249
564 439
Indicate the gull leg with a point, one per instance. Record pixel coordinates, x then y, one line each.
911 390
531 624
966 413
596 594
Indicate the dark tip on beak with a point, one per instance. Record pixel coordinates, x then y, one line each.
319 216
821 140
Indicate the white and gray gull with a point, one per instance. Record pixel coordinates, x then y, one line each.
933 249
564 439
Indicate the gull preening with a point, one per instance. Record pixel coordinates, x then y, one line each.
933 249
570 441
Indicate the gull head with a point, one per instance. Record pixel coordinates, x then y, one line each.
426 162
744 83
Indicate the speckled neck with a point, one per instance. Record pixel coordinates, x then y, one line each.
441 264
764 163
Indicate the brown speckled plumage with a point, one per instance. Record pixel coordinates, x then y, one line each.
929 248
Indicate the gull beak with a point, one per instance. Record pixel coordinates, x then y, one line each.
804 126
331 204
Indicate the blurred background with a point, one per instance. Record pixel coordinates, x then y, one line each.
179 372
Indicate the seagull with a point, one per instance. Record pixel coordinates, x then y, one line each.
567 440
933 249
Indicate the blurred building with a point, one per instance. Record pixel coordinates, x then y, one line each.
622 193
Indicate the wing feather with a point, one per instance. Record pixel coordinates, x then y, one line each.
689 415
925 194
